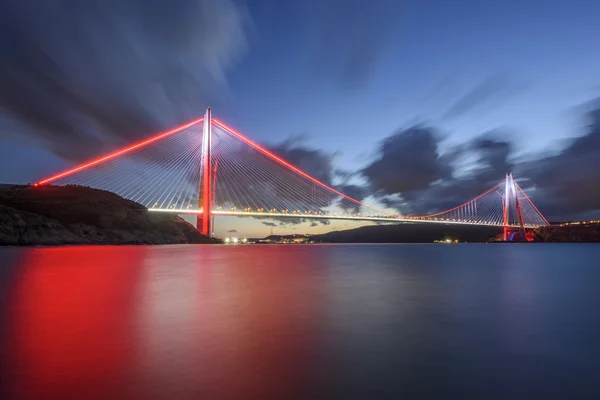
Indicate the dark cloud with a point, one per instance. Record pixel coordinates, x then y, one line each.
279 188
315 223
567 184
563 185
412 174
320 165
232 231
489 93
440 186
315 163
408 160
269 224
289 221
298 221
356 192
285 222
343 174
83 75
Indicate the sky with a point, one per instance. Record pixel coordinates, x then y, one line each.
423 104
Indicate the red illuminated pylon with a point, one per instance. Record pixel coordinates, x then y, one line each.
203 221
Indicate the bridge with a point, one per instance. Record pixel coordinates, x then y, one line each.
209 169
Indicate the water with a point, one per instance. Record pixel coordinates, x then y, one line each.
300 322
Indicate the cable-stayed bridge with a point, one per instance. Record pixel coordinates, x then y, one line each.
207 168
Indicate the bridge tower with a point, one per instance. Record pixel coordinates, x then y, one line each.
205 195
506 206
510 196
519 211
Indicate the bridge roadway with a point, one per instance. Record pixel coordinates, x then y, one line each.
344 217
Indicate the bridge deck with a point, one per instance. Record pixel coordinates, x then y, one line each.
345 217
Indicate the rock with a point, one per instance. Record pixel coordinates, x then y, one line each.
55 215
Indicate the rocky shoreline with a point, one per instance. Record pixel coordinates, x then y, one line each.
75 215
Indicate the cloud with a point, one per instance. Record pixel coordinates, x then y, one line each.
289 221
315 163
489 93
273 224
567 184
356 192
349 39
562 185
423 181
85 76
413 175
232 231
408 160
320 165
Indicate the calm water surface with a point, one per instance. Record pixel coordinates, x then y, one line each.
300 322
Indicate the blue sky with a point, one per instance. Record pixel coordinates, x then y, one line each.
432 55
345 75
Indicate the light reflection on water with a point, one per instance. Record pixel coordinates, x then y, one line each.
321 321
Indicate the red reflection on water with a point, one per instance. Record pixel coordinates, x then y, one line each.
248 333
270 325
183 322
71 330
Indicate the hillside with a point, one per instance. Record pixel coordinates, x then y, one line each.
582 233
409 233
56 215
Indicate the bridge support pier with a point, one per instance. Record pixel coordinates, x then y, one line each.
205 195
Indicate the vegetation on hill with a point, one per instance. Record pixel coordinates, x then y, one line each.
54 215
409 233
427 233
582 233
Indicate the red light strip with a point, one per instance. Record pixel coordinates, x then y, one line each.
288 165
119 152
